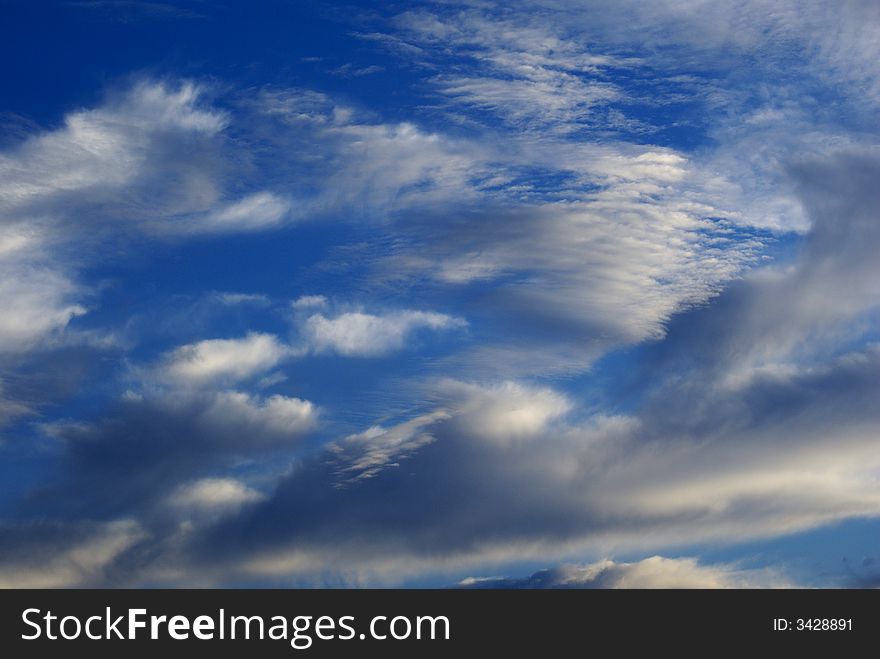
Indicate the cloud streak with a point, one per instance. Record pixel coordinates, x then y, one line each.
650 573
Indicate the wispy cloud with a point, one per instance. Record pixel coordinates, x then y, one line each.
653 572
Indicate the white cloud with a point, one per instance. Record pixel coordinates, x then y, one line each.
38 296
37 302
366 454
522 71
355 166
611 268
366 335
223 360
255 212
103 149
275 417
214 494
503 413
147 159
622 238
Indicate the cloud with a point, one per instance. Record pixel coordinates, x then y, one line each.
63 555
308 301
604 241
366 454
827 40
753 418
100 151
146 446
654 572
503 413
275 416
351 71
699 458
38 303
794 317
256 212
607 485
345 164
711 394
366 335
611 271
214 494
11 409
222 360
526 73
233 299
149 159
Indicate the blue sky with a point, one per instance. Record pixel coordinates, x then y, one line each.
421 293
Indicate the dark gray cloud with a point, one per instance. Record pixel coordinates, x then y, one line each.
135 457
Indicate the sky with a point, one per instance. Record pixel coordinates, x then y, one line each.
456 293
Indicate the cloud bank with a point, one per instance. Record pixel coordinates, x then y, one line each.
595 281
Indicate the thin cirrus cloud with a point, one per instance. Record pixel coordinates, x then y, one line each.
527 74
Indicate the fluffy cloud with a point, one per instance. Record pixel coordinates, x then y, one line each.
366 335
213 494
223 360
276 416
504 413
